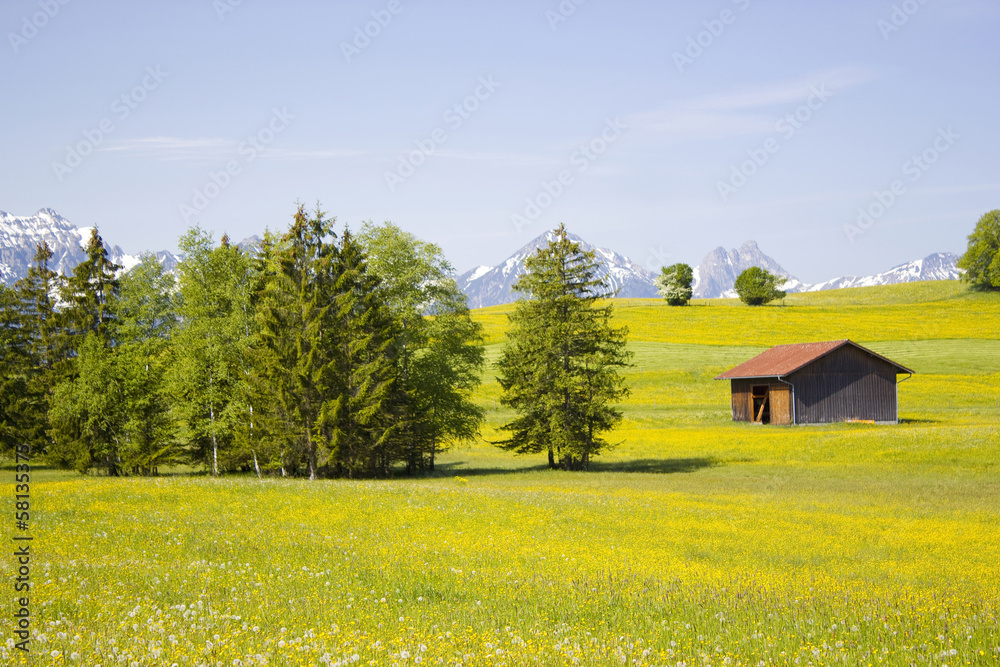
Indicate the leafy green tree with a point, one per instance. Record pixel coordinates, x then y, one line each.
145 318
440 352
445 373
981 260
560 366
88 413
674 284
757 286
209 347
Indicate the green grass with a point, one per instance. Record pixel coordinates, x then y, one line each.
695 539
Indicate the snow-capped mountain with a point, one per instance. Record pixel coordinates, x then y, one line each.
491 285
939 266
20 236
715 276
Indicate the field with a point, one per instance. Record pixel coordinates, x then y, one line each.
696 541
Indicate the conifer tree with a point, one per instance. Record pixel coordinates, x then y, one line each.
89 294
367 413
298 336
15 368
39 362
559 368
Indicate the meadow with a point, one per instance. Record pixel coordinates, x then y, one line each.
694 541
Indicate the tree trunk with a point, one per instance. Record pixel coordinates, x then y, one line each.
312 455
215 443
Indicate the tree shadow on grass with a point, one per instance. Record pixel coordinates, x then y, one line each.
455 469
654 466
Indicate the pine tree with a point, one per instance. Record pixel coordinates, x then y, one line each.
559 368
15 369
89 294
298 336
38 349
367 414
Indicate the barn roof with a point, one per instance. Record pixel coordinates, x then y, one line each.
784 359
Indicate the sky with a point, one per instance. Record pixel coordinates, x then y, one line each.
844 137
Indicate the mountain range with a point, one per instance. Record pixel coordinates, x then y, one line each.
20 236
713 278
484 285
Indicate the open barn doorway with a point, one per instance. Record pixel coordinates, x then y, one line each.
760 404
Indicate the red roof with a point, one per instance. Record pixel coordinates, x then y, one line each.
784 359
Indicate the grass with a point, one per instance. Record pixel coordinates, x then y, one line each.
695 540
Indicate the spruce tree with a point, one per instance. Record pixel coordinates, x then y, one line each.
39 348
15 370
298 336
89 294
367 414
559 368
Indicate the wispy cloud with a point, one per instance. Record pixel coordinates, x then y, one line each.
743 110
214 149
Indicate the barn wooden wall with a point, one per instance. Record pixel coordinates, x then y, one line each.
846 384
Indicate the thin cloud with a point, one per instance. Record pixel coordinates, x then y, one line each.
741 111
212 149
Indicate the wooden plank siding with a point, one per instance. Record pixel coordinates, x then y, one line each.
844 385
779 395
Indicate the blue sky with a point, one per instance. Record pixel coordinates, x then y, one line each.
659 129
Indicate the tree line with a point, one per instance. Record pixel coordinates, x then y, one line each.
311 354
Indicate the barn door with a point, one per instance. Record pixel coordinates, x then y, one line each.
760 404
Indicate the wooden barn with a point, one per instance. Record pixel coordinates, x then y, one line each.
816 383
